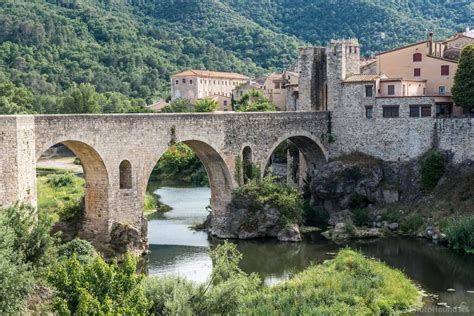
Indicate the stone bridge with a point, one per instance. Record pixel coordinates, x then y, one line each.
118 153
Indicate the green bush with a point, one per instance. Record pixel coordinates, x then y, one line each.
16 277
460 234
97 288
82 249
268 191
433 166
361 216
411 224
348 285
171 295
32 232
60 180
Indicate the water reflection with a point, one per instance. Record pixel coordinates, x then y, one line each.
175 249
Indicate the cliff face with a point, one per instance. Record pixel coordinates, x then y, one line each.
357 181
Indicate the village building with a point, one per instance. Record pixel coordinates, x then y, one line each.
200 84
431 63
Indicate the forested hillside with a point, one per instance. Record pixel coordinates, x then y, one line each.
131 47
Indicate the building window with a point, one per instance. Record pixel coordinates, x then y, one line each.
184 80
191 81
417 72
369 91
241 92
177 81
391 89
426 111
390 111
201 81
445 70
369 111
417 57
225 102
277 85
414 111
125 170
442 90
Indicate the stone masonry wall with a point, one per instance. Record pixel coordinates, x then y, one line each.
456 135
390 139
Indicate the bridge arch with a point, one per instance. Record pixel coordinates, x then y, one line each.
220 178
312 149
96 198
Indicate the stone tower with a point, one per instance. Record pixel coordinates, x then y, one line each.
343 60
312 79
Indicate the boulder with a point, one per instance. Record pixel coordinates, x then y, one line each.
290 233
127 238
243 221
393 226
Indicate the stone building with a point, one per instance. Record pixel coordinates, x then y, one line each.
389 118
199 84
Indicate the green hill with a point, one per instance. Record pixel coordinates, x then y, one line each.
133 46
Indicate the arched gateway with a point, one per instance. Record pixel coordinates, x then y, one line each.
118 153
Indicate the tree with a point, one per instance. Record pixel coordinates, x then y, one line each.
206 105
254 101
179 106
463 88
15 100
82 99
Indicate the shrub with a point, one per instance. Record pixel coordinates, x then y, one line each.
361 216
16 277
60 180
224 294
432 169
411 224
460 234
268 191
171 295
31 232
82 249
206 105
348 285
98 288
151 202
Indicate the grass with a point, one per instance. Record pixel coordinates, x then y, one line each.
60 195
348 285
460 234
153 206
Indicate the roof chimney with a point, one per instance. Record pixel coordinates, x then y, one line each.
468 29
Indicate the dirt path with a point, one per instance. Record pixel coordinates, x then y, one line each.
66 163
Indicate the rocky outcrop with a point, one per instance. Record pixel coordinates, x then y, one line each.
243 221
128 238
357 181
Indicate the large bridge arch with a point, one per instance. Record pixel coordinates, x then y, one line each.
96 199
220 178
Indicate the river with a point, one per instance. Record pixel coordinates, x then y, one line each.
176 249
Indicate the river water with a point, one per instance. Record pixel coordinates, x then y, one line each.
176 249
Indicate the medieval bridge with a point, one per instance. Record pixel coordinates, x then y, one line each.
118 153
